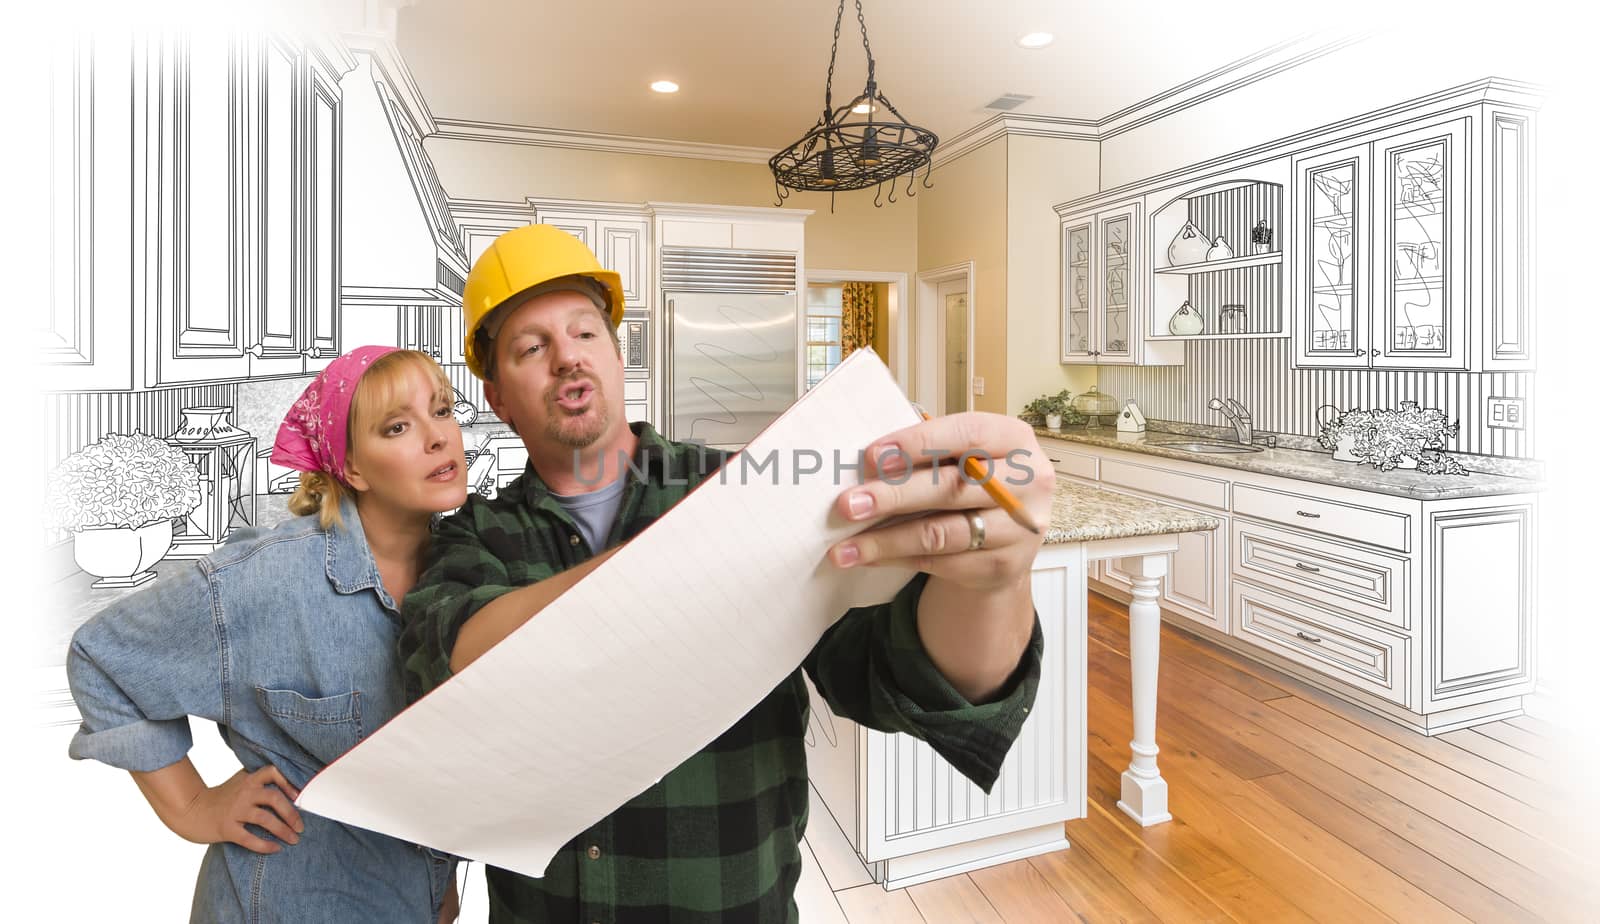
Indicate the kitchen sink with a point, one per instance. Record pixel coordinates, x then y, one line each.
1203 446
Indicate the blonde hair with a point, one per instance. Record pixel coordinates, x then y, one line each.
380 390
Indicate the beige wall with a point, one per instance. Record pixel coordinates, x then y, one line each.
855 236
963 217
1041 172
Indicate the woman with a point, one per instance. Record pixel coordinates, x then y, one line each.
286 639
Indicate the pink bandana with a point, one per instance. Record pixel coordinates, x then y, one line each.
312 435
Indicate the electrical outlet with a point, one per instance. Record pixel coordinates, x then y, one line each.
1507 413
977 384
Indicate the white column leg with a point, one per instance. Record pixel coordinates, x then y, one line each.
1144 792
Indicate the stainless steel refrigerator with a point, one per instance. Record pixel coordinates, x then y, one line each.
733 363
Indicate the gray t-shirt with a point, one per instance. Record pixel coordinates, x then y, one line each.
594 511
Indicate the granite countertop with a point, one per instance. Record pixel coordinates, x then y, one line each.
1305 465
1082 513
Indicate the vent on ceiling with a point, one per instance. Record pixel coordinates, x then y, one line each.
1009 101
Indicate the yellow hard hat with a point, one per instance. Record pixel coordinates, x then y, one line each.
517 261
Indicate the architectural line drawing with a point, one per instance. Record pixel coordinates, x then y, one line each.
1324 309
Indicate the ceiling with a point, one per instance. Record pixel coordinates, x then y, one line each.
752 71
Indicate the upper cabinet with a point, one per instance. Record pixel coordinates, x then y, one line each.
1399 240
296 100
85 191
1105 264
618 234
247 155
1413 246
213 254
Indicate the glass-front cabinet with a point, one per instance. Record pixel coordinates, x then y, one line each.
1419 285
1379 270
1330 261
1078 335
1118 267
1102 286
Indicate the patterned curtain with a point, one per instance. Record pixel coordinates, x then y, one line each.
860 307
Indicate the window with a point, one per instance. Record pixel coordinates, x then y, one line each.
824 310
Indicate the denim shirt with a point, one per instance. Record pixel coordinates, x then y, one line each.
286 639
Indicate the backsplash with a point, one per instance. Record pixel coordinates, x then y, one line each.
74 420
1281 399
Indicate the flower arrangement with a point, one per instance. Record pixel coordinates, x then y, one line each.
1058 404
1410 437
126 481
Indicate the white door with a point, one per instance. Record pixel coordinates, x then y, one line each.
954 351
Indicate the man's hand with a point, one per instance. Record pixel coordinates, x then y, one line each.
218 814
975 615
915 474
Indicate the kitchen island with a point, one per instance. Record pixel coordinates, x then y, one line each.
910 817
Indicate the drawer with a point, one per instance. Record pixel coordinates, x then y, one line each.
1365 657
1196 489
635 390
1078 464
1364 582
1362 524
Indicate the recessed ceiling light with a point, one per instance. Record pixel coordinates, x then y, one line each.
862 108
1036 40
664 86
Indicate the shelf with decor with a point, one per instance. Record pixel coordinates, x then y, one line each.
1218 266
1217 257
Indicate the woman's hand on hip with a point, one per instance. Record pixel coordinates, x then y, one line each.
264 798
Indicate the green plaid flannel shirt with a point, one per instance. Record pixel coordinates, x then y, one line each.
718 838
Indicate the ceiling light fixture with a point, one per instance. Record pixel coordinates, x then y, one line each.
1036 40
664 86
839 154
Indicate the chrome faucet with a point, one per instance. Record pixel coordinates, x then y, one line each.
1237 415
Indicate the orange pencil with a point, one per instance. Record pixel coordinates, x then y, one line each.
1007 501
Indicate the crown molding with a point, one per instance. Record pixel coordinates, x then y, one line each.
1237 74
389 67
1497 90
701 209
501 133
1008 123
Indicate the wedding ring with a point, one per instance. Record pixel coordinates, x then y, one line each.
976 522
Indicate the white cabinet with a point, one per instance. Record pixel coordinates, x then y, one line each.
1413 245
1196 583
1478 602
86 336
618 234
296 104
1105 263
1422 611
1506 239
202 191
194 230
911 817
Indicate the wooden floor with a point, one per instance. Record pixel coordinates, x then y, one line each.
1288 804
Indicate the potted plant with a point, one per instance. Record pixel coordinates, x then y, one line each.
119 497
1051 411
1408 438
